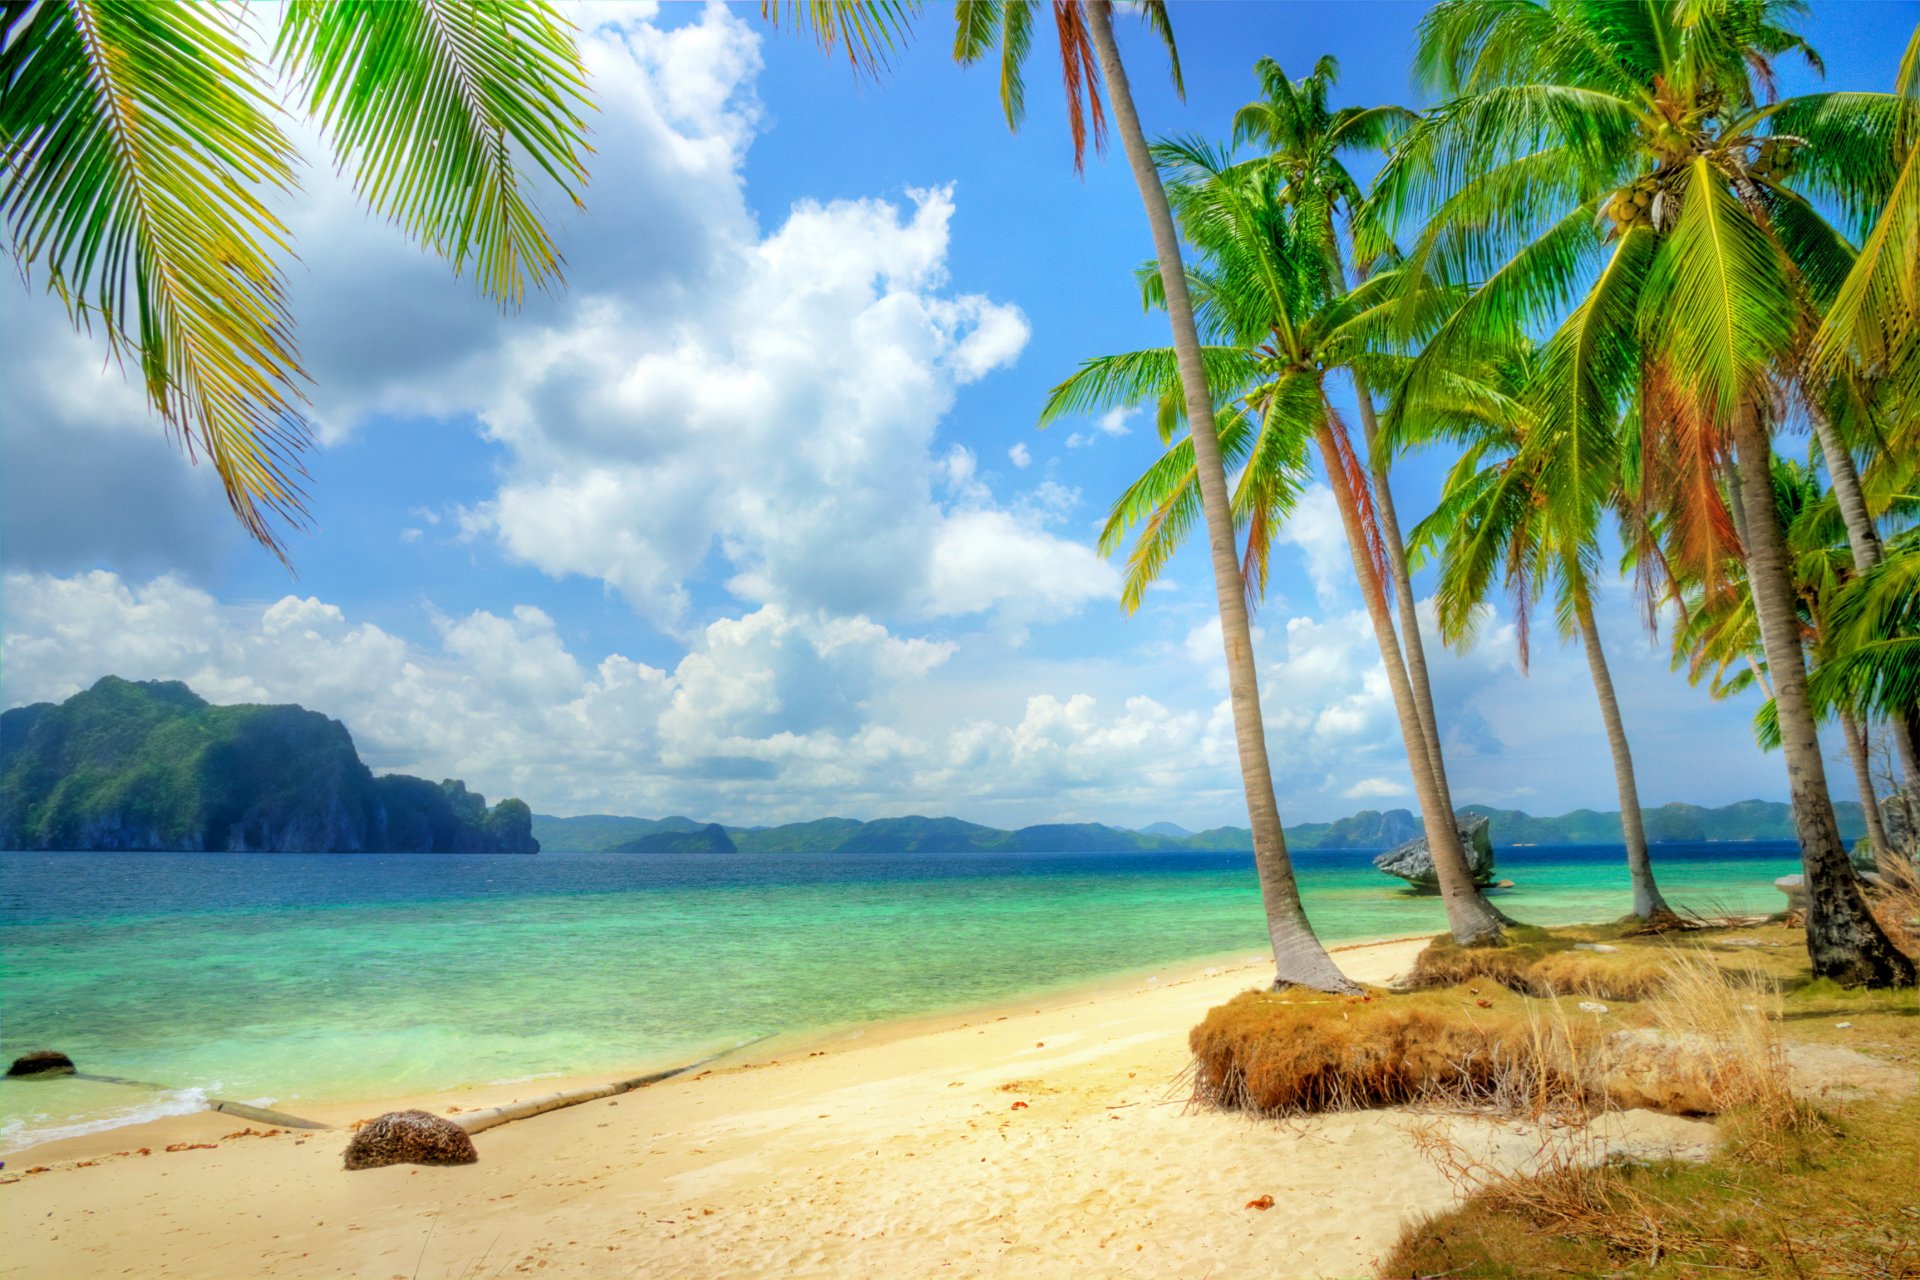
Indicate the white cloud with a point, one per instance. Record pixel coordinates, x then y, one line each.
1315 528
983 559
1114 421
1376 789
782 714
708 400
1021 455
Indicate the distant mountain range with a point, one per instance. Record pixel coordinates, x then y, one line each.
1368 829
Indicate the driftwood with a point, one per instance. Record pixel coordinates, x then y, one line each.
281 1118
476 1121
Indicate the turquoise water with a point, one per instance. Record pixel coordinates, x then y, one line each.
280 978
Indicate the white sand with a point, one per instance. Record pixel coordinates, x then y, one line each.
900 1153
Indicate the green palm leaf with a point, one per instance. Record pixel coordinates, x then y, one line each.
867 31
1716 298
431 105
138 138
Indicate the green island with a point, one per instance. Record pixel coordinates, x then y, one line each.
152 765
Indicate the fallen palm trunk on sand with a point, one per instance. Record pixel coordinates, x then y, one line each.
477 1121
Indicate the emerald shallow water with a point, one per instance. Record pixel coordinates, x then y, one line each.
284 977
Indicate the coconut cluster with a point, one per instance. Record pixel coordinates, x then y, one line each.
1774 160
1631 206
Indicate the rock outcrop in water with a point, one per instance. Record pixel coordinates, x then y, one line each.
42 1062
152 765
1413 861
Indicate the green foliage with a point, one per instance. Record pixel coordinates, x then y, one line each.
140 142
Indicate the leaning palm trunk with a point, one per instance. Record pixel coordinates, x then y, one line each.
1470 917
1844 941
1402 575
1647 902
1884 856
1299 957
1863 539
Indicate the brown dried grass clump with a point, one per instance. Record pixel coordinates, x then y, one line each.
1537 962
1287 1052
1706 1046
1896 905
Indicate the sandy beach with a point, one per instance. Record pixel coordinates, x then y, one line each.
1046 1139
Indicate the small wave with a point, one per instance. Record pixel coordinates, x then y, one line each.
30 1131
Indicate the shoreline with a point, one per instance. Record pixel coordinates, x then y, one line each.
1049 1139
342 1111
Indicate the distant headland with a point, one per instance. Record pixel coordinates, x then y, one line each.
152 765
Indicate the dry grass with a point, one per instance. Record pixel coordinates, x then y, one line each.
1541 962
1706 1045
1836 1203
1897 908
1285 1053
1792 1193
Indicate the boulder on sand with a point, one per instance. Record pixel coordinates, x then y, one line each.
409 1137
1413 861
42 1062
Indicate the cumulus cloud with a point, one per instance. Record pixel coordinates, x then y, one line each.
1315 528
765 717
708 400
782 714
1021 455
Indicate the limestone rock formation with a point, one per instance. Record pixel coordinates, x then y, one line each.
1413 861
152 765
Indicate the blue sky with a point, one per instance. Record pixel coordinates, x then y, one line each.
753 521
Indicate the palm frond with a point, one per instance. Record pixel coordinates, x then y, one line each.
434 108
137 141
1715 293
867 31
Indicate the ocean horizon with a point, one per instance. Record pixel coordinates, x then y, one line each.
282 978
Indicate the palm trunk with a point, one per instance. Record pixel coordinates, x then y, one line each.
1844 941
1470 917
1863 539
1402 576
1647 902
1909 757
1857 752
1299 958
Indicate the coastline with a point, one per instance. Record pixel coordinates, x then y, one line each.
800 1042
1038 1138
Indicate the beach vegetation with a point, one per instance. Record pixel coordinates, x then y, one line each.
1549 1021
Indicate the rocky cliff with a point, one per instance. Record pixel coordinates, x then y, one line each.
152 765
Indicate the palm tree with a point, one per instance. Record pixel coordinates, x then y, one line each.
1280 320
1304 141
1718 626
1602 169
1085 29
140 144
1526 502
1871 330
